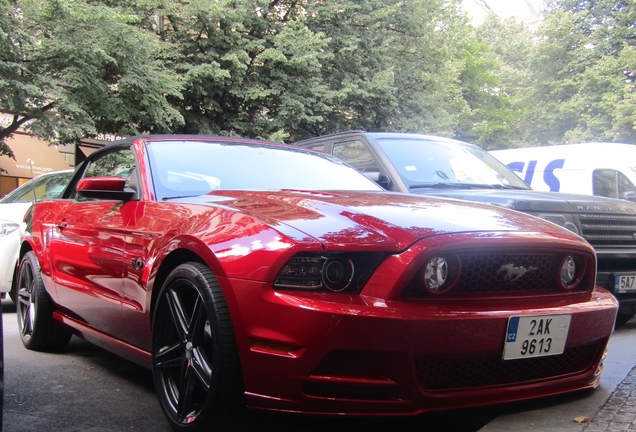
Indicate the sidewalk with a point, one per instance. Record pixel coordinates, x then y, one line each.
619 413
611 407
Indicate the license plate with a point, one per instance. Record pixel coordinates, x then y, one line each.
536 336
625 283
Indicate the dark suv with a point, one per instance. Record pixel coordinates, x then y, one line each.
430 165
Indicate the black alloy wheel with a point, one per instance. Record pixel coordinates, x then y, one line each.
195 360
38 330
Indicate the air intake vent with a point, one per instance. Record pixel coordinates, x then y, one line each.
603 230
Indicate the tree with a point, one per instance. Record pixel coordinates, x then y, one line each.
394 66
584 73
494 79
72 69
286 69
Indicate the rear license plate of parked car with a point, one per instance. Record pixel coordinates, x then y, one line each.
625 283
536 336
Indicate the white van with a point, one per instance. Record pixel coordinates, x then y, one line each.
604 169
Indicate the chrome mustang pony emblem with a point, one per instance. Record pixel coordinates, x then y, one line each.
513 272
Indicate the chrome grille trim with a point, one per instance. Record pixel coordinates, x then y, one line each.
608 237
631 228
608 230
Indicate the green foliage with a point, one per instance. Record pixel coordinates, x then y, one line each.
584 68
494 78
79 69
285 68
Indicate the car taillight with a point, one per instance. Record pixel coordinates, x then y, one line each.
345 273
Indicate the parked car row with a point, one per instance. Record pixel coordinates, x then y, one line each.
260 275
12 209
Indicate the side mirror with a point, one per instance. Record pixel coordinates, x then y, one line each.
379 178
630 196
106 188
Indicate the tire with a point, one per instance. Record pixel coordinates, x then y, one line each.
34 308
195 360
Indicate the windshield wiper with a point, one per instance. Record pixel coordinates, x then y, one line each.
437 186
462 186
181 196
499 186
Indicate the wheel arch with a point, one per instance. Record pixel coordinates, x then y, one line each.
25 246
174 259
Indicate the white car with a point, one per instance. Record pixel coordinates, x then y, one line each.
12 210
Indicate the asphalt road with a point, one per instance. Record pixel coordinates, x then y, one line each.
87 389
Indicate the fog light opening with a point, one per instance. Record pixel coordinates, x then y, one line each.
439 274
569 273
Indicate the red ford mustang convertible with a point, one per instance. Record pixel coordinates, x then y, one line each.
254 274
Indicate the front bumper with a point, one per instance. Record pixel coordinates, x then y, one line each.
358 355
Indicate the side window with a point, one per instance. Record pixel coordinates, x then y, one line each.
24 194
120 163
605 183
355 154
624 185
46 186
317 147
52 186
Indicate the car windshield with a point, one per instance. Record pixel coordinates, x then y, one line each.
425 163
189 168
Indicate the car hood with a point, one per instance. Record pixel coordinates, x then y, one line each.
536 201
371 220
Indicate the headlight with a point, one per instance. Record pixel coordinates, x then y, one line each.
345 273
337 273
7 227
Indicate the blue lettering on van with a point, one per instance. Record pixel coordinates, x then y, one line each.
518 167
548 175
530 172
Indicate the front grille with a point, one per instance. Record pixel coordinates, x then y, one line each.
493 273
483 273
435 374
603 230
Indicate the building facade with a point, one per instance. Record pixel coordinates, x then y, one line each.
34 156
